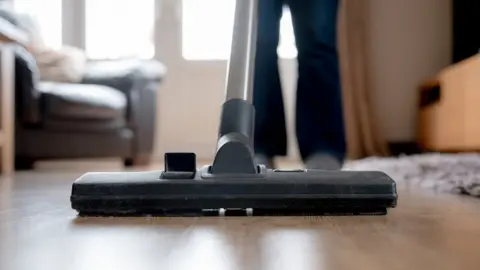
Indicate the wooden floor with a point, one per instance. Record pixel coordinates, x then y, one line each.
38 230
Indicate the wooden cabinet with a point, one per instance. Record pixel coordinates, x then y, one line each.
449 116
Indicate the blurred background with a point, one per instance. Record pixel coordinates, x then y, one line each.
132 79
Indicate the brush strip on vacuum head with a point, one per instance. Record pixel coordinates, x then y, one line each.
281 192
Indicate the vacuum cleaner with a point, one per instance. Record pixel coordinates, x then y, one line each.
233 183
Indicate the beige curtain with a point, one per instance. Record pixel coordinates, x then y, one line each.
363 135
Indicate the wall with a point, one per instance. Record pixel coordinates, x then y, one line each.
410 41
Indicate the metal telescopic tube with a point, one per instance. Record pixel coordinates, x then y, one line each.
239 81
234 154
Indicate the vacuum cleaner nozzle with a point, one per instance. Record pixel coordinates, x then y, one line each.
181 189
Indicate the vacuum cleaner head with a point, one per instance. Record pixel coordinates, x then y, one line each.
181 189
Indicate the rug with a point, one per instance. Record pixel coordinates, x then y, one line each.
453 173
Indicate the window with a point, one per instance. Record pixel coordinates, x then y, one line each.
119 28
47 16
207 29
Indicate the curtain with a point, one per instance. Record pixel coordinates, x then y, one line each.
363 135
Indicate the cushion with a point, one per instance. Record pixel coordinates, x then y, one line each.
65 64
82 101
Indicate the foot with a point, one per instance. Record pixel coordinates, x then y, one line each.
323 162
264 160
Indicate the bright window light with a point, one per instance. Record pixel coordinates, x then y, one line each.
207 30
119 28
47 15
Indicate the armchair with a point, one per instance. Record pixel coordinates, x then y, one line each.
110 113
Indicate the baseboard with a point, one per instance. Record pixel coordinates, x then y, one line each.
404 148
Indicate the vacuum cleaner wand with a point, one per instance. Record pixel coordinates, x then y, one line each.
239 82
233 182
235 142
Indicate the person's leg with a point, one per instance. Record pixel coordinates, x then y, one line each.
319 120
270 131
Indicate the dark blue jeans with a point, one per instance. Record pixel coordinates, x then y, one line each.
319 117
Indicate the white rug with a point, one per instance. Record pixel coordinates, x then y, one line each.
457 173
